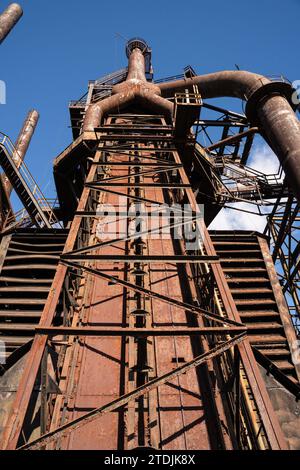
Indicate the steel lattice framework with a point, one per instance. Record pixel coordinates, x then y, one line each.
146 329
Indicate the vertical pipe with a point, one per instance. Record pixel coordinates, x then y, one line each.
136 66
8 19
282 130
22 144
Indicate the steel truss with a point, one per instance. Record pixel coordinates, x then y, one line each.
248 413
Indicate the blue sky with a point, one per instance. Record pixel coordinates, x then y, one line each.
59 45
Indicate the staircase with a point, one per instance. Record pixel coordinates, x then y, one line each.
26 188
25 280
244 265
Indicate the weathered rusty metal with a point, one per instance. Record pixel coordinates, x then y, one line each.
289 329
135 88
263 402
22 144
232 139
282 131
94 331
127 296
75 424
159 296
26 133
268 106
8 19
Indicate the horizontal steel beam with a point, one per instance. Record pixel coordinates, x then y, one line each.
139 332
97 185
133 163
143 258
232 139
135 137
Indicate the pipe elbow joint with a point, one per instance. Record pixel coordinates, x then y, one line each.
266 90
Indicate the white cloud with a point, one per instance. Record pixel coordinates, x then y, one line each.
262 159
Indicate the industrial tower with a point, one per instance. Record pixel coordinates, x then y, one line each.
126 323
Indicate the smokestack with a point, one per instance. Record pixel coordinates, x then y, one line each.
8 19
22 143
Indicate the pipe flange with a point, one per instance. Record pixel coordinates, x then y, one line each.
272 88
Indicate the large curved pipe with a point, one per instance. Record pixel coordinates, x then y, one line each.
8 19
267 106
134 88
236 84
96 111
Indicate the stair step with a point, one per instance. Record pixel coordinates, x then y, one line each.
237 251
6 327
38 256
264 326
245 270
32 289
247 280
275 352
284 365
20 313
15 340
254 302
34 252
252 290
241 243
23 280
22 301
29 267
267 339
36 245
258 314
241 260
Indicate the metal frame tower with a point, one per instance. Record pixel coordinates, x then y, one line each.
155 332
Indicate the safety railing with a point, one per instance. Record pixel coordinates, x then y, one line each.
44 210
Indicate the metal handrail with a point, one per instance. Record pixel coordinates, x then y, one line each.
35 192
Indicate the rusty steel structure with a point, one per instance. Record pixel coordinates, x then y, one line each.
127 323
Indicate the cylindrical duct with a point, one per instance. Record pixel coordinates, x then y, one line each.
267 107
22 143
8 19
282 131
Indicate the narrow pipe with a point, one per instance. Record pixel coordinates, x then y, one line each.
22 143
8 19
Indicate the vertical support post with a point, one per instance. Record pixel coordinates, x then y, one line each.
44 386
237 396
